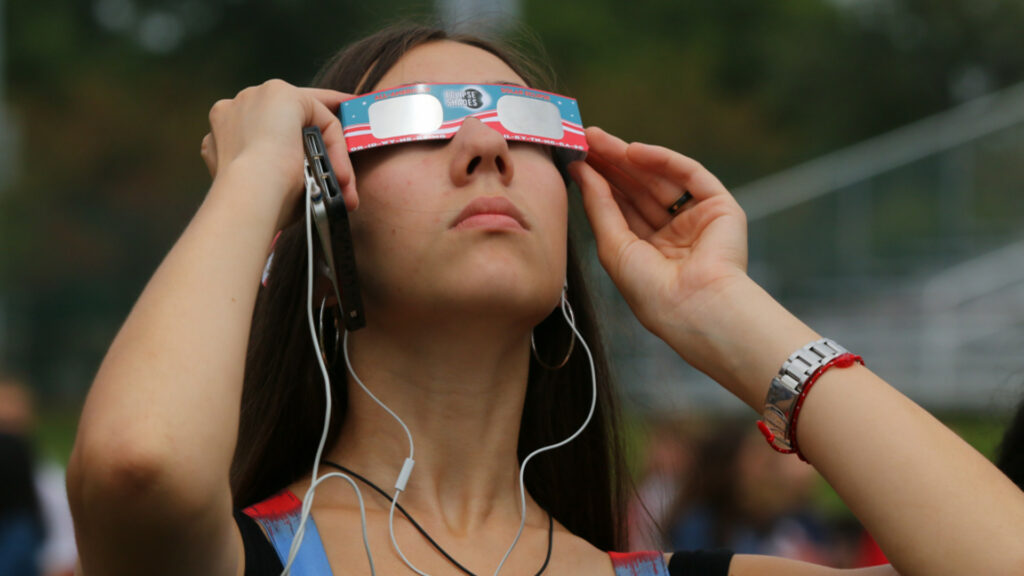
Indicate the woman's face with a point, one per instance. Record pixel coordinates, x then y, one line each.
474 222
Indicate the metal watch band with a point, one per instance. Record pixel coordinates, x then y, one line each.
789 382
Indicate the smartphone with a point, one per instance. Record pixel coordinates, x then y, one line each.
327 208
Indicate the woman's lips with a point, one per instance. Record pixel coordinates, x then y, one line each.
491 212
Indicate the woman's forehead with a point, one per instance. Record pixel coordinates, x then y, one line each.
446 61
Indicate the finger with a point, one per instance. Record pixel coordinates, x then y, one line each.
208 150
636 222
611 230
332 99
634 219
675 167
337 151
663 190
639 197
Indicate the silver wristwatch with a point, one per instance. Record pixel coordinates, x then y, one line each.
787 385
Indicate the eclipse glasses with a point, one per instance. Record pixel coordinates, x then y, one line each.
436 112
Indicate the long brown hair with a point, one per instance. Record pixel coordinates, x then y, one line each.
582 484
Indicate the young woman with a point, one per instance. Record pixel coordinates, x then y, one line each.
462 254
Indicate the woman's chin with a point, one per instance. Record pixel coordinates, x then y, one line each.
499 290
506 302
510 300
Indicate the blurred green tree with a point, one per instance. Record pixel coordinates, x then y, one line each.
112 97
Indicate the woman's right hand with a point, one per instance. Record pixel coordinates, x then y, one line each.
259 132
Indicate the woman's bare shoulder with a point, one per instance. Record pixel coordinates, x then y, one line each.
574 555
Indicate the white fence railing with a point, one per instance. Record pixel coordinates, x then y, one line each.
944 322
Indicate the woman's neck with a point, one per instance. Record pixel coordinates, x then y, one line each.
459 387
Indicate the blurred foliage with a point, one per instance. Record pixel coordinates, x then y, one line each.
112 97
750 87
55 433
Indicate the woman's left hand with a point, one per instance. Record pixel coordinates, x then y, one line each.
666 266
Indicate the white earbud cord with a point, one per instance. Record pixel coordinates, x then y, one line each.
403 476
307 501
570 319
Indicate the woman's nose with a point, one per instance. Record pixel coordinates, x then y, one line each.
479 152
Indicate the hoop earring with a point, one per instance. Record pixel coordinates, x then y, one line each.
320 329
570 319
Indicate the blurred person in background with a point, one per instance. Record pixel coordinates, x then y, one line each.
750 500
22 528
667 465
36 532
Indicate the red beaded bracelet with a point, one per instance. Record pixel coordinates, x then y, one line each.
841 361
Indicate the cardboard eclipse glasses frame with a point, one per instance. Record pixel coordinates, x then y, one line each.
420 112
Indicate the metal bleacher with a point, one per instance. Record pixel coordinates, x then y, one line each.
908 248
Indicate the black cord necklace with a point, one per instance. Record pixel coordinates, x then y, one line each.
551 522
